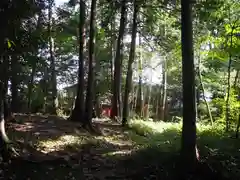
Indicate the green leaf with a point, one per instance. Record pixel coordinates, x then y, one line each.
9 44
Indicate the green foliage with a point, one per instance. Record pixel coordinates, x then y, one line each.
219 104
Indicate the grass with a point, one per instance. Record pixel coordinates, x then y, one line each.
216 147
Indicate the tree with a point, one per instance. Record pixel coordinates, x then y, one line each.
52 59
91 64
116 104
189 157
78 111
128 85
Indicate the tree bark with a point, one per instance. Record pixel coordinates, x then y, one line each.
52 61
189 155
128 86
164 91
236 78
238 123
30 87
90 82
4 140
227 104
140 95
78 111
203 91
14 84
116 104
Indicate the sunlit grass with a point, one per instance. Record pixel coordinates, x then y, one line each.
150 128
160 134
216 146
169 136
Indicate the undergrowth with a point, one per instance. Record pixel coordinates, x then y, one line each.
216 147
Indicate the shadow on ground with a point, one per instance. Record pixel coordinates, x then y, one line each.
53 148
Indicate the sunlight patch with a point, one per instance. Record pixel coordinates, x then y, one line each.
121 152
59 144
115 141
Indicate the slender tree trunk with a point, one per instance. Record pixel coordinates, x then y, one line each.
78 111
136 99
164 92
236 78
160 103
229 87
90 82
30 87
4 140
14 84
45 88
116 106
203 91
189 153
128 86
132 103
157 108
7 111
148 101
238 123
52 61
140 96
198 115
97 105
112 62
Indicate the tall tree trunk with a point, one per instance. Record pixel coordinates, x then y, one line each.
52 61
6 108
116 104
90 82
238 125
45 88
140 96
148 101
14 84
128 86
164 90
97 106
4 140
113 44
78 111
157 106
198 115
189 155
229 87
203 90
112 62
160 103
30 87
236 78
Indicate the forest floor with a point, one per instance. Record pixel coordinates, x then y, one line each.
53 148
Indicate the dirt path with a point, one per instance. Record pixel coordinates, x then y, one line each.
59 149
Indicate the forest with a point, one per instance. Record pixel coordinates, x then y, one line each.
121 89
